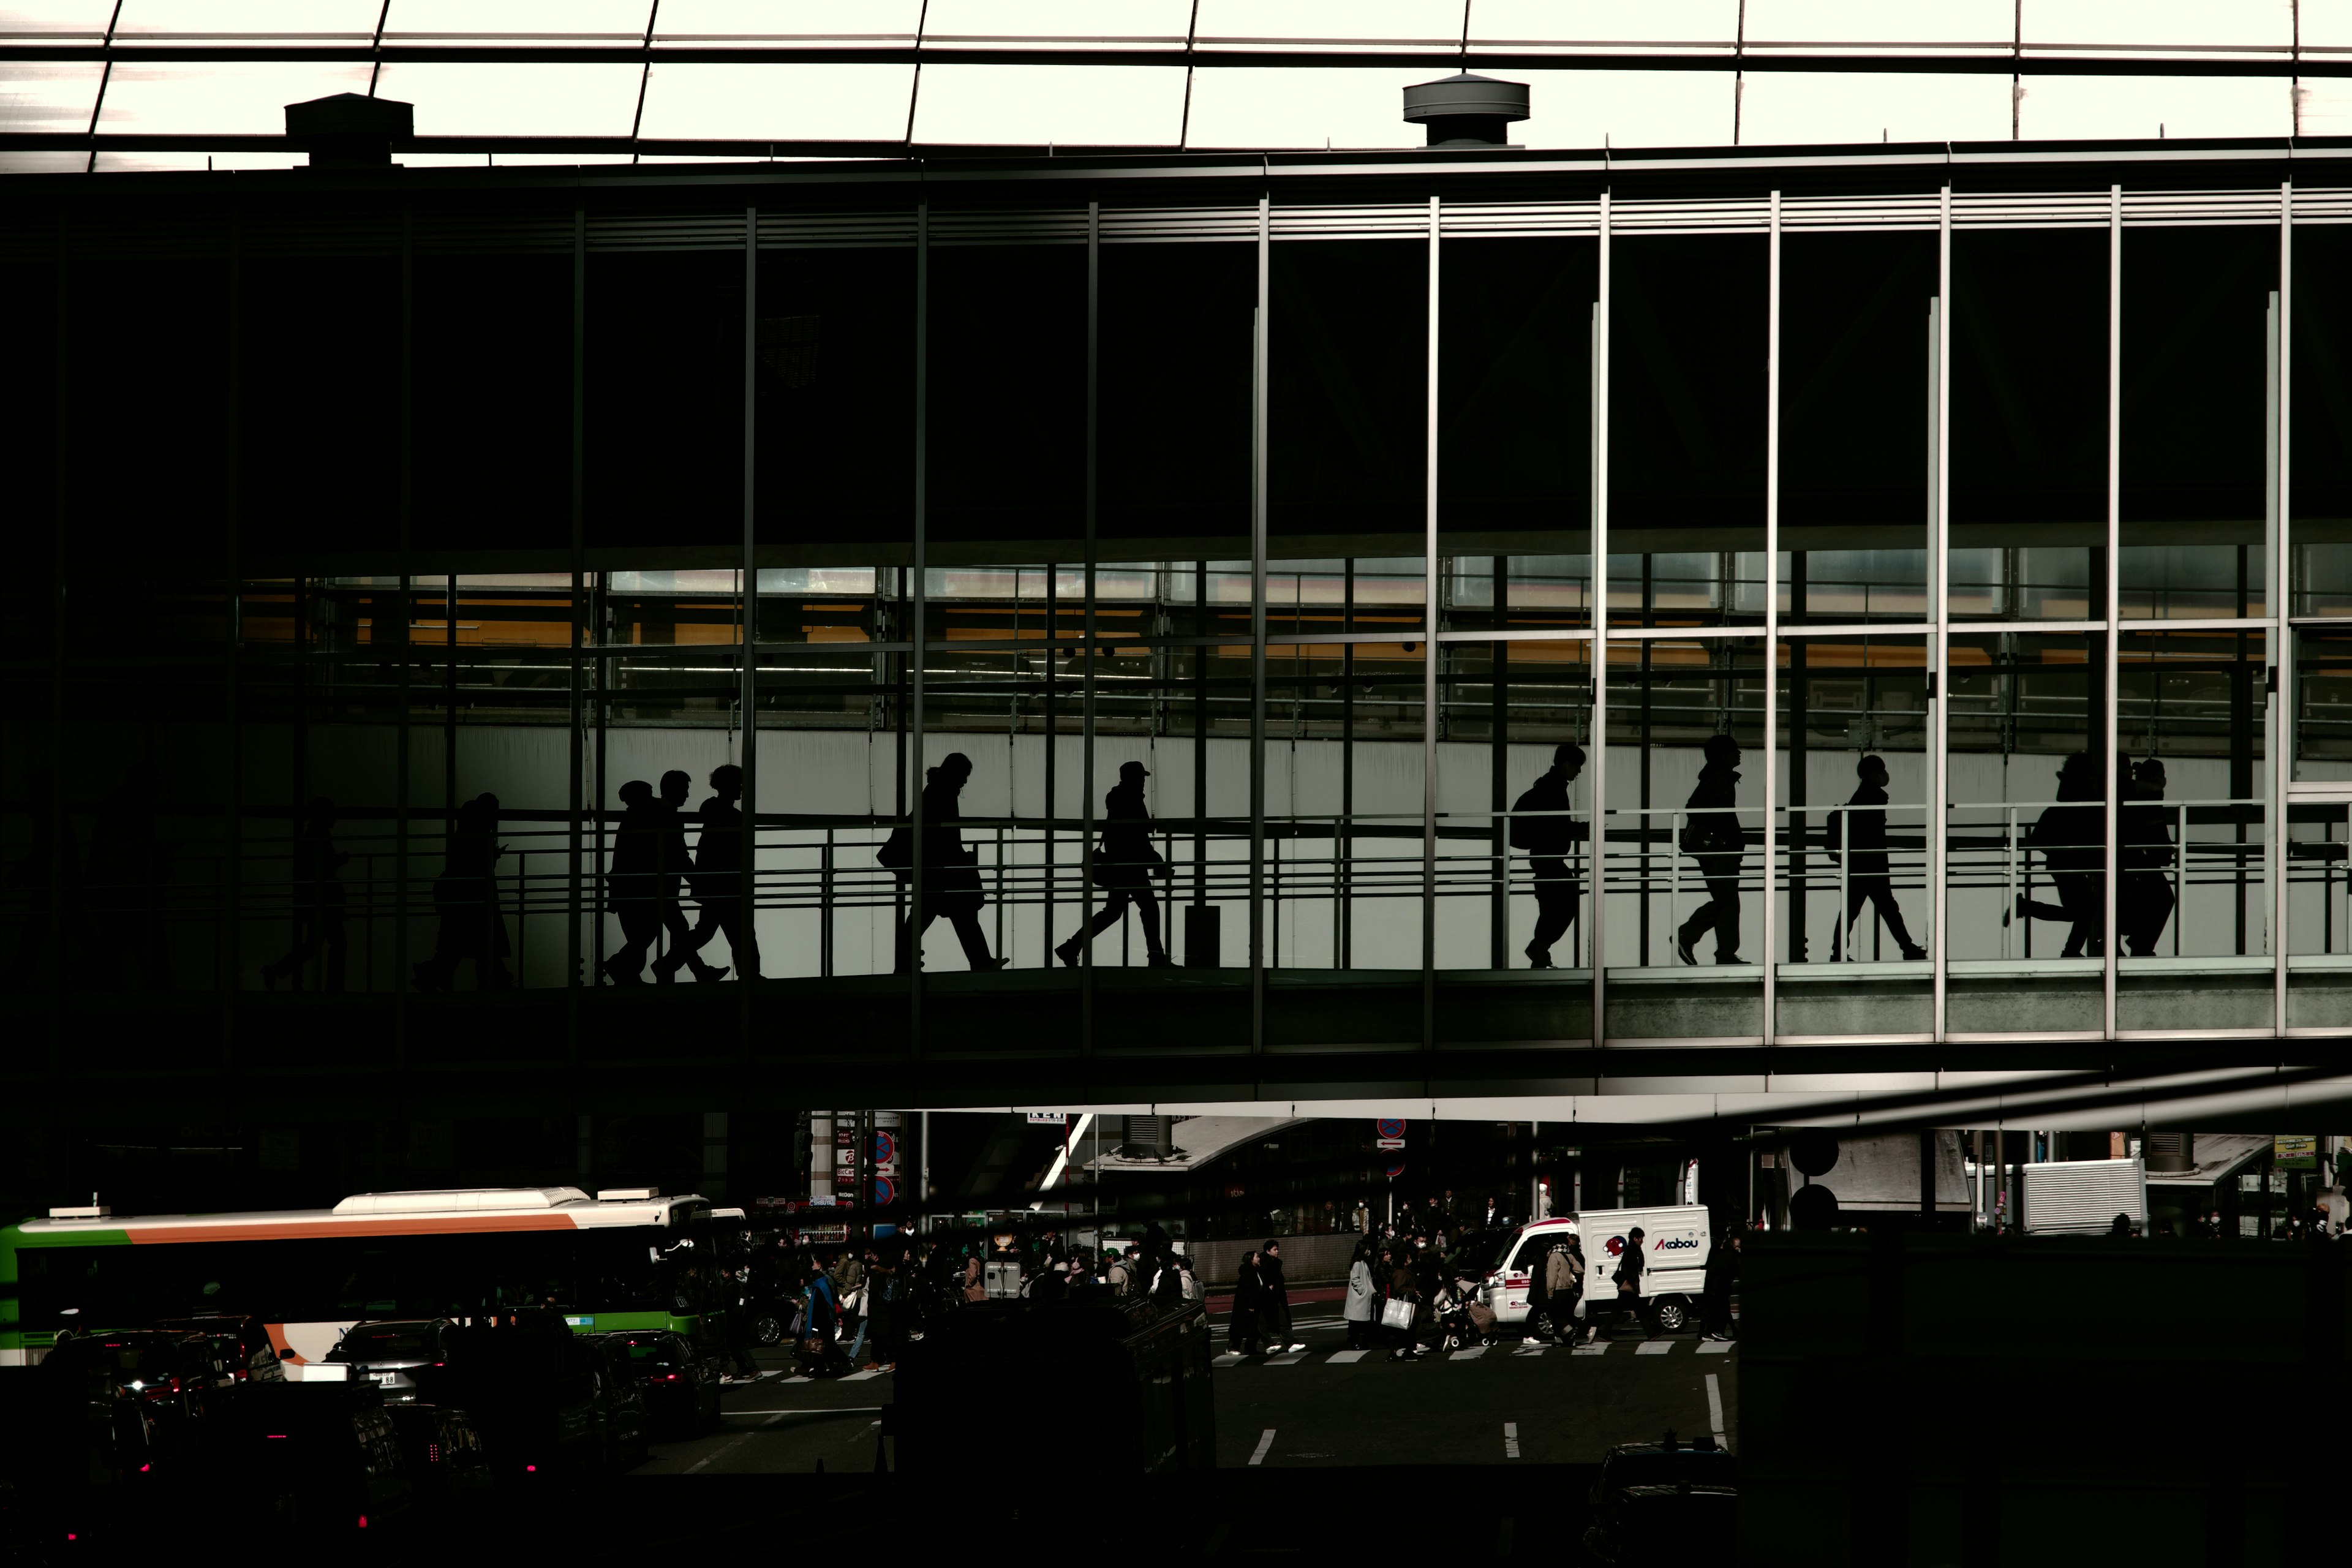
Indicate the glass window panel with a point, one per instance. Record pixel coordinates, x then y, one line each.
2319 829
575 24
1792 109
1008 385
56 21
2323 106
1051 24
1578 25
2029 425
2319 455
779 102
1687 392
1856 394
1417 25
2195 448
665 399
218 99
2075 27
1515 411
1300 106
2119 108
1584 109
1347 416
1009 105
246 23
1868 26
538 100
51 98
802 23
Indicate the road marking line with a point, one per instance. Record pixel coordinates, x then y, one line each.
1290 1360
1228 1359
1715 1347
1598 1348
862 1376
1470 1354
821 1410
1715 1410
1530 1348
1340 1358
1262 1444
727 1448
1510 1439
800 1379
1653 1347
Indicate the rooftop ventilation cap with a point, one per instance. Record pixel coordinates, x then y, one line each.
1467 111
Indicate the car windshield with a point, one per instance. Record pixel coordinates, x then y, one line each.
1478 1250
389 1342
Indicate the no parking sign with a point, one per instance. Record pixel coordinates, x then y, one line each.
1391 1132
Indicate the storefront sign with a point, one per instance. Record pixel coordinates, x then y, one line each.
2290 1152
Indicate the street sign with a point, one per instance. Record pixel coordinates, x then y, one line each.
1049 1119
1389 1131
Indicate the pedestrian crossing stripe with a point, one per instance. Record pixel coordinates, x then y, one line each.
1291 1360
1340 1358
1715 1347
1653 1347
1470 1354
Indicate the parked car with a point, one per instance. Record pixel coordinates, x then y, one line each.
628 1424
442 1450
1664 1502
157 1383
680 1383
241 1344
389 1354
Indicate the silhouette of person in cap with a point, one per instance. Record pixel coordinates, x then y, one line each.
1124 864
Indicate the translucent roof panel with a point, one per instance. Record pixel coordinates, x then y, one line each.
556 159
1075 106
13 163
247 23
571 24
1302 105
845 102
1582 110
2325 25
1597 26
1796 108
1057 24
1371 26
52 100
1877 27
142 162
246 98
2134 26
798 24
2117 108
516 99
2323 107
56 21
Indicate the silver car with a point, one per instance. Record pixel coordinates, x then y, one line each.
388 1354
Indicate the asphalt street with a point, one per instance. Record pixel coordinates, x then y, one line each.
1323 1406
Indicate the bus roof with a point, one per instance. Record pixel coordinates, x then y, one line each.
431 1212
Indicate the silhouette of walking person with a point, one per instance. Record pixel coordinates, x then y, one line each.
1868 878
50 877
1124 864
318 903
2072 836
674 864
950 873
1549 839
717 879
2144 901
124 860
1712 836
472 925
634 881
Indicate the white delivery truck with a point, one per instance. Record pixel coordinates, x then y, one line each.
1675 1242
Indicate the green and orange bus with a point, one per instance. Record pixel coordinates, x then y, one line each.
620 1260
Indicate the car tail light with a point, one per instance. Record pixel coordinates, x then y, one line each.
669 1378
431 1453
362 1522
531 1470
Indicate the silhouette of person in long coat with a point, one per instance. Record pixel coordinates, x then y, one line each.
950 873
717 879
318 903
2072 838
673 864
1868 877
2143 837
472 925
1124 865
1713 837
633 882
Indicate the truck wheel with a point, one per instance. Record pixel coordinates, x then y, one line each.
1672 1317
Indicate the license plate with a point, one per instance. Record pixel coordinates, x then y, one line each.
386 1377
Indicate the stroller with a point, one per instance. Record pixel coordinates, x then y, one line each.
1464 1321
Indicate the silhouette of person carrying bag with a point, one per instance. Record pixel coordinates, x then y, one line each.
472 925
1549 839
950 885
1124 866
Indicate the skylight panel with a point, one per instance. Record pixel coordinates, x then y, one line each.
1037 106
777 102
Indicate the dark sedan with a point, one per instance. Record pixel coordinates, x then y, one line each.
390 1354
681 1384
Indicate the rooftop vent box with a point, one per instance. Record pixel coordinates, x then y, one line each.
626 1194
349 132
1467 111
82 1211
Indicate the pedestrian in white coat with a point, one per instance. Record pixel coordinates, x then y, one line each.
1363 1308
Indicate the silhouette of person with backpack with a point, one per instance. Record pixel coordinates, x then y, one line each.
318 903
472 925
950 885
1713 837
717 879
1124 865
1541 826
